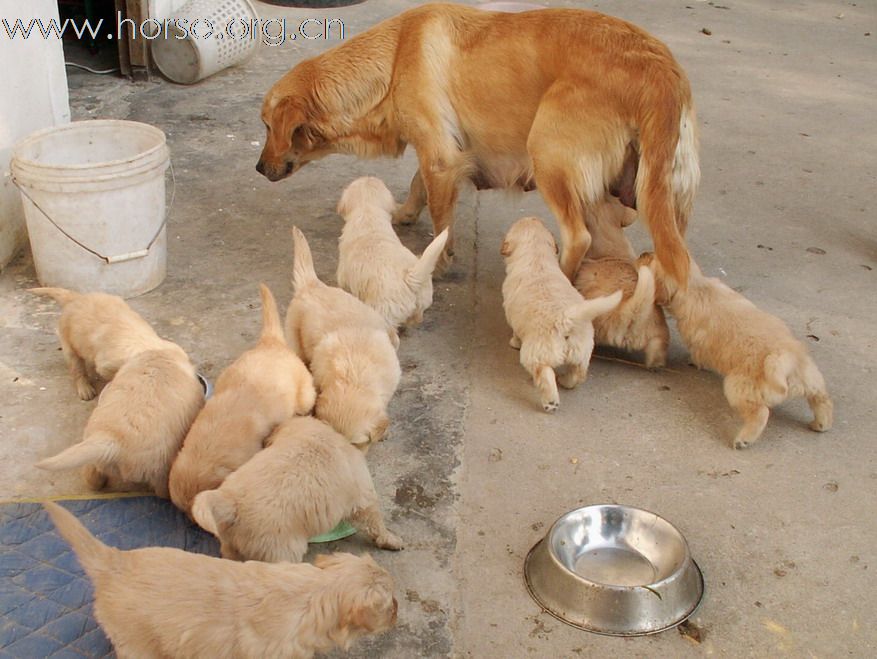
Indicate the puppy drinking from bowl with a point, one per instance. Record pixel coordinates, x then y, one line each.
163 602
635 324
98 334
374 265
762 362
317 309
138 425
307 480
551 323
262 388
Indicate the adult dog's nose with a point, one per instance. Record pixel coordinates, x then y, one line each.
260 167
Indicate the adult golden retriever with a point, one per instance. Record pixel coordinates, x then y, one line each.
577 103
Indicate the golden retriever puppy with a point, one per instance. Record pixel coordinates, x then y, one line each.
317 309
307 480
635 324
600 107
374 265
161 602
99 333
762 362
357 371
262 388
138 425
551 323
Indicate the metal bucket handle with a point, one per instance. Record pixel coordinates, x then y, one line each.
120 258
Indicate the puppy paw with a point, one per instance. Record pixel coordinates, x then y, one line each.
515 342
389 541
818 425
550 406
85 389
740 443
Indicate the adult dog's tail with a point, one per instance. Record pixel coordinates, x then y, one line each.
60 295
303 272
666 182
272 327
90 551
422 270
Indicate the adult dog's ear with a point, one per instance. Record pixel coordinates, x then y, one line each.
506 249
286 117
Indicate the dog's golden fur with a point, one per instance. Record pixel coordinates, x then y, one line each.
357 371
551 323
138 425
638 323
316 309
307 480
161 602
762 362
98 334
374 265
577 103
262 388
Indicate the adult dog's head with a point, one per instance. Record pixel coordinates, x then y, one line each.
289 114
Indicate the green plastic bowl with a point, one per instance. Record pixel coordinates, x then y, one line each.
343 530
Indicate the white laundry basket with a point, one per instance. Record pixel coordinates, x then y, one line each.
197 42
94 201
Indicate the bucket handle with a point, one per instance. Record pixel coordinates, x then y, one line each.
119 258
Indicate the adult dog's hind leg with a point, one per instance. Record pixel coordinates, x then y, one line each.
409 211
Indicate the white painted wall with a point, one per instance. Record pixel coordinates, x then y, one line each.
34 95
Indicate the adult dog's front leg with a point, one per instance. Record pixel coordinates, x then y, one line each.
441 189
409 211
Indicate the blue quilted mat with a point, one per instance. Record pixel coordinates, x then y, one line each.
45 598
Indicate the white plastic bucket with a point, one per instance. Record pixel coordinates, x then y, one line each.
198 41
94 202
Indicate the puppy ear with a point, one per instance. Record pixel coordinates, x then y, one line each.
213 511
506 249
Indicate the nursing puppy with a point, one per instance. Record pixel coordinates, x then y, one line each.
307 480
600 107
317 309
551 323
98 334
262 388
635 324
762 362
138 425
162 602
374 265
357 371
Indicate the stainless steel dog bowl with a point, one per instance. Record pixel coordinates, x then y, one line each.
614 570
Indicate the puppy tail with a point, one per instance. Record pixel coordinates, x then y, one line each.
668 176
587 310
212 511
90 551
272 327
418 275
303 272
60 295
638 308
98 449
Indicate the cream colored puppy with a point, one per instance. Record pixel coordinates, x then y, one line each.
138 425
762 362
98 334
307 480
357 371
551 323
262 388
317 309
637 323
374 265
161 602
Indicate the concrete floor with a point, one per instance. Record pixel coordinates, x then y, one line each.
473 473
